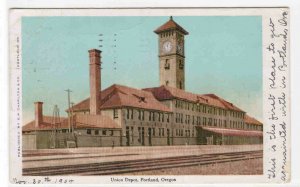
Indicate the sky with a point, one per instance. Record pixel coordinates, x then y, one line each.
223 56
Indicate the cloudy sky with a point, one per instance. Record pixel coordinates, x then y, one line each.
223 56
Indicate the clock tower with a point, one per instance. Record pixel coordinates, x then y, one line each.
171 54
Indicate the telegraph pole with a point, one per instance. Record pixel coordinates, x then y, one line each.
69 104
72 116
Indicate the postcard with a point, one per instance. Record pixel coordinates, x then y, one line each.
149 96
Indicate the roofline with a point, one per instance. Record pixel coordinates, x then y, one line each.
184 32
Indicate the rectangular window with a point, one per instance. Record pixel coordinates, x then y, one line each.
89 131
115 113
139 116
104 132
150 114
96 132
181 115
131 130
140 135
131 113
111 132
127 113
168 118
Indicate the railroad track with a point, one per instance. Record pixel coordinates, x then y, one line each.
129 166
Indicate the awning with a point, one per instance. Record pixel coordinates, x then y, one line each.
234 132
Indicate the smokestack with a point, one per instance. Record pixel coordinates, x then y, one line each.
38 113
95 81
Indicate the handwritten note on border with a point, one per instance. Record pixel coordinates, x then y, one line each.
276 76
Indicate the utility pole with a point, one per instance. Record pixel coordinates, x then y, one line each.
72 116
69 104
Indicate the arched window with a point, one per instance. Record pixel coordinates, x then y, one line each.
167 64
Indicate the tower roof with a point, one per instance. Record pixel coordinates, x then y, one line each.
170 25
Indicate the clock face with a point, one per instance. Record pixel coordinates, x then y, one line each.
167 46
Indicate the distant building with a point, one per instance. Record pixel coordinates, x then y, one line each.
164 115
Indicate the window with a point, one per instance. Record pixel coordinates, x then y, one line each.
111 132
115 113
140 135
131 113
127 113
89 131
181 65
168 118
143 115
153 116
167 64
139 116
181 115
96 132
104 132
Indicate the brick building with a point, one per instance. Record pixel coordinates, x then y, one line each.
164 115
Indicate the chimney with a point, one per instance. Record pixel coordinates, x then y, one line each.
95 81
38 113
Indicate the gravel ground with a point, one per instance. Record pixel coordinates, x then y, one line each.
249 167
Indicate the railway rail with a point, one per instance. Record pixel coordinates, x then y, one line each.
129 166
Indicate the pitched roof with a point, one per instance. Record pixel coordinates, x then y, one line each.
169 25
165 92
94 121
47 124
251 120
234 132
117 96
82 121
